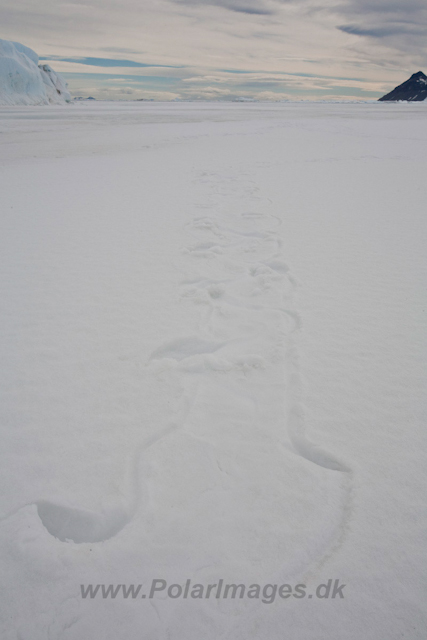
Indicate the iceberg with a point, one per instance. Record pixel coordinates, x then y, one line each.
24 82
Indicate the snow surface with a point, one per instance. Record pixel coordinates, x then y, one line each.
213 366
24 81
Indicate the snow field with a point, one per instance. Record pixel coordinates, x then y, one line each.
213 367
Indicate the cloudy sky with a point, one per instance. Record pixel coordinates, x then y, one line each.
224 49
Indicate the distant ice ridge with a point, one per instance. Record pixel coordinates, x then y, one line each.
24 81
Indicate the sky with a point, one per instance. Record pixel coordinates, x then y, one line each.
224 49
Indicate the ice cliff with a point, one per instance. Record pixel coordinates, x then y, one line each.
24 81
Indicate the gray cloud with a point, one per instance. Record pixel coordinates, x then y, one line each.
382 7
120 50
384 19
106 62
252 7
382 31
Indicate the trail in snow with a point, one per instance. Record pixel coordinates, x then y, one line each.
238 376
241 368
239 372
247 321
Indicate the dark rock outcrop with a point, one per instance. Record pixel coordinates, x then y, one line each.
413 90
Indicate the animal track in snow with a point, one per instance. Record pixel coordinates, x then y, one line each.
256 304
71 524
204 250
184 348
80 525
203 227
234 374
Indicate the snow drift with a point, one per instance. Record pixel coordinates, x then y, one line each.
24 81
